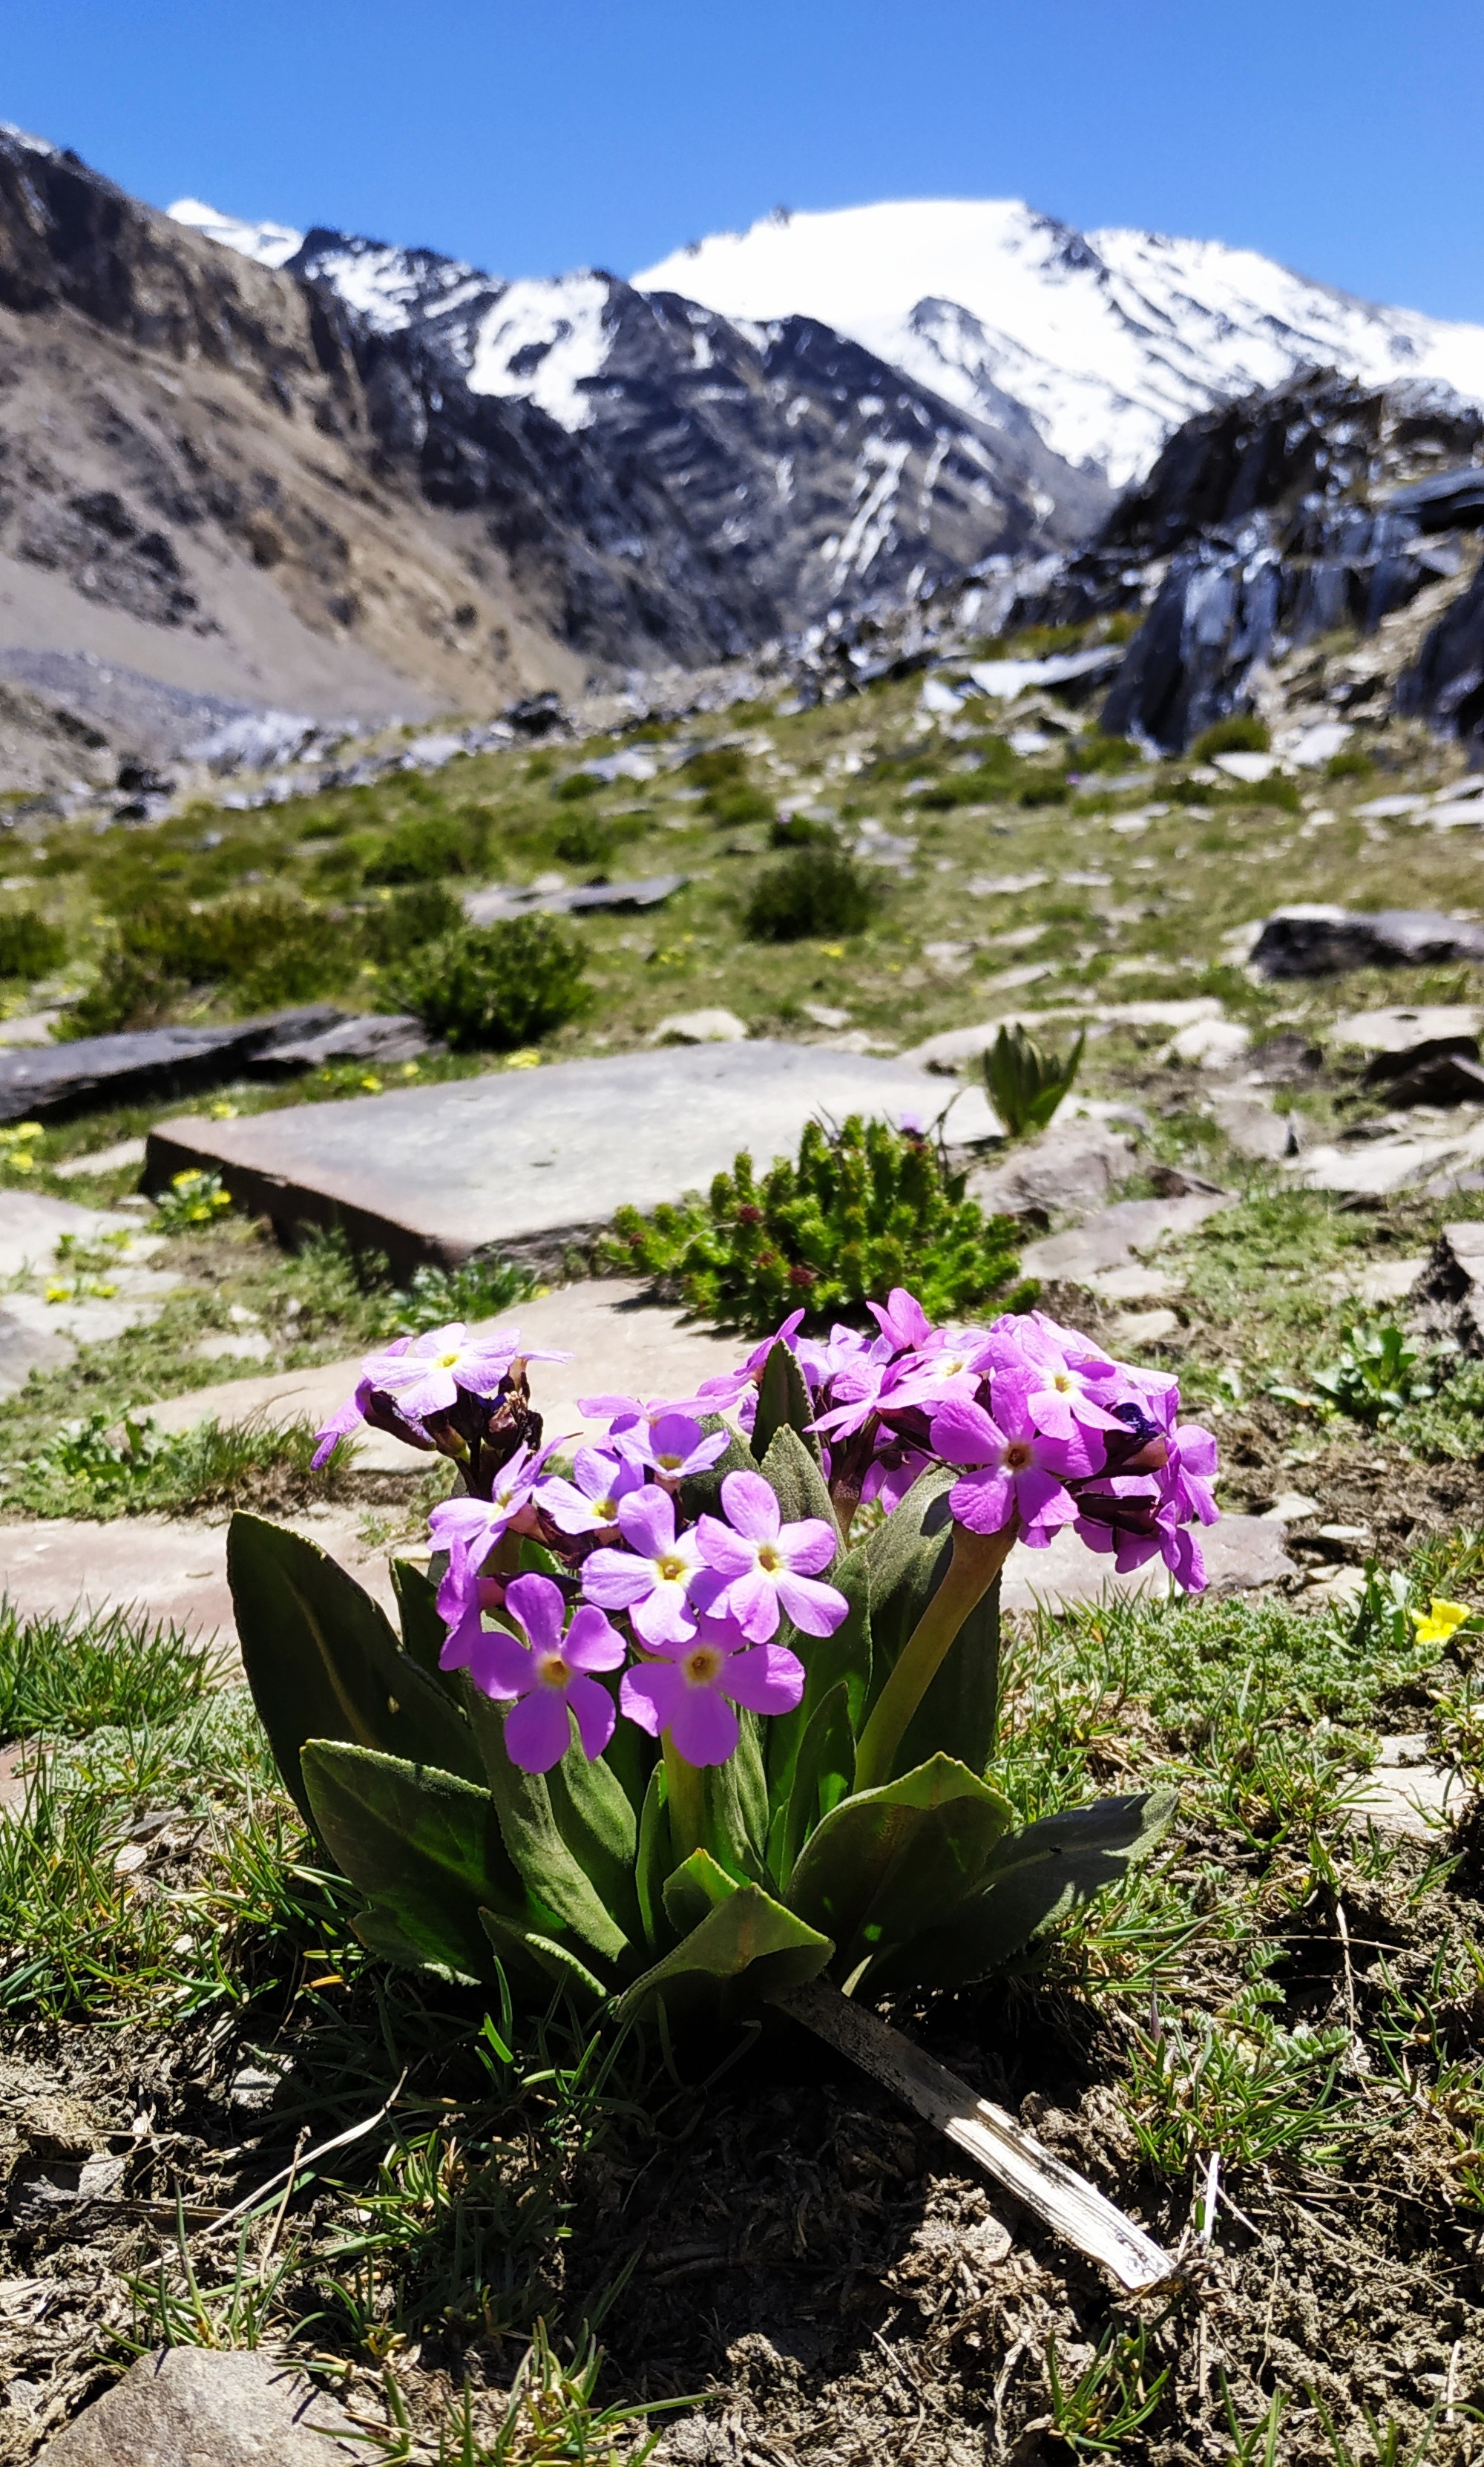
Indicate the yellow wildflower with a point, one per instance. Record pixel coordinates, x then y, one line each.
1440 1621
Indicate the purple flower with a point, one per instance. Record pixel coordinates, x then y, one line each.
726 1388
769 1566
903 1319
547 1672
589 1503
1016 1469
1063 1381
348 1417
690 1691
468 1529
414 1377
652 1578
674 1448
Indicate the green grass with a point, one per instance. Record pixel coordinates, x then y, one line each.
63 1678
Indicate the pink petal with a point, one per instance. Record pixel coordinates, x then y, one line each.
615 1579
807 1546
751 1506
704 1728
753 1601
648 1694
501 1666
767 1679
594 1709
591 1644
818 1609
984 1502
1041 1499
963 1434
720 1547
646 1521
538 1605
538 1730
664 1617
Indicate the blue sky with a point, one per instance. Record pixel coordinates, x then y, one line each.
1344 139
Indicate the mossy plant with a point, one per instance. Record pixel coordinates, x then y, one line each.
860 1210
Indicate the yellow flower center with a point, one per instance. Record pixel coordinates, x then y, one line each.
668 1463
553 1670
768 1558
1063 1383
607 1509
702 1665
671 1570
1016 1455
446 1361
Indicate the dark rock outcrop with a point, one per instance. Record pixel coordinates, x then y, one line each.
1317 942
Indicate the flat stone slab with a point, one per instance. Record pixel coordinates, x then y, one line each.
1406 1793
206 2407
393 1037
487 907
47 1082
32 1225
1398 1027
529 1157
621 1344
1112 1238
170 1568
1242 1554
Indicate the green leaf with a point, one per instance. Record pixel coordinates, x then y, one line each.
784 1403
595 1820
1034 1880
822 1775
423 1632
697 1886
886 1862
827 1660
794 1475
553 1872
909 1555
424 1847
747 1949
653 1862
523 1948
323 1661
734 1804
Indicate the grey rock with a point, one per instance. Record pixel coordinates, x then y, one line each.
1314 940
1440 1071
1284 1061
1399 1161
202 2407
24 1350
393 1037
1071 1165
1111 1238
49 1083
1451 1287
700 1028
530 1157
1242 1554
488 907
1250 1125
1400 1027
109 1160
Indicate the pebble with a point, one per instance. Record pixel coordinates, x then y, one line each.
209 2406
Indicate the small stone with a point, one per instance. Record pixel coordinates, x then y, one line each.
244 1347
1135 1284
1249 1124
1400 1028
1215 1044
1109 1239
109 1160
1251 769
1403 1793
1290 1507
1135 1329
1388 1280
825 1015
548 895
700 1028
1067 1166
204 2407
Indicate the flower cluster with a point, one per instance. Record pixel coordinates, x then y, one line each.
636 1606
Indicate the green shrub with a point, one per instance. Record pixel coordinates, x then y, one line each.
737 806
1045 792
412 917
1104 754
1350 764
817 891
1243 733
965 788
801 831
30 946
572 790
724 766
589 839
128 992
426 847
272 949
863 1210
480 1289
496 985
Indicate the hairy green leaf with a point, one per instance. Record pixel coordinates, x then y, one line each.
553 1872
424 1847
747 1949
784 1403
886 1860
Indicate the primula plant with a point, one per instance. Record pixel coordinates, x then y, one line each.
833 1231
709 1712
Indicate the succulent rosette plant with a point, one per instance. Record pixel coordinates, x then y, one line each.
710 1709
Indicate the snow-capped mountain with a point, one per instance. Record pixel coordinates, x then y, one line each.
1108 338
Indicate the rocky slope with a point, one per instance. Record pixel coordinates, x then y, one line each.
369 483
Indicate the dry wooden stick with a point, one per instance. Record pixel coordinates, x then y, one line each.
993 2139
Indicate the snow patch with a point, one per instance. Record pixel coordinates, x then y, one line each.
545 342
270 244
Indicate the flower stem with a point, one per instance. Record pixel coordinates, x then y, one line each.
976 1561
686 1799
